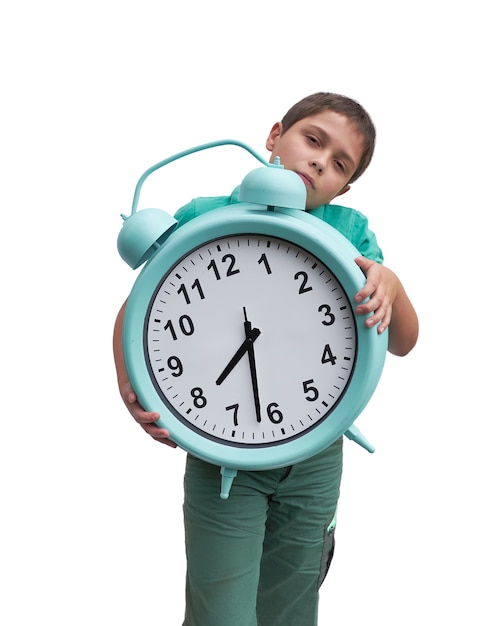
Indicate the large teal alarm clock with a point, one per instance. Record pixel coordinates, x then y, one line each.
240 329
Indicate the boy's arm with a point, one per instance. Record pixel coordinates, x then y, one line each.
389 305
144 418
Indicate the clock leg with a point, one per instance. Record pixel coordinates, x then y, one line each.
227 476
355 435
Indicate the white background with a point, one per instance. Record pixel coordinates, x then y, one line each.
94 93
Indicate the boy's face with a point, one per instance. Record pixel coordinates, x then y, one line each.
323 149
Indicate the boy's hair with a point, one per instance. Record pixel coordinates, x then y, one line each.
321 101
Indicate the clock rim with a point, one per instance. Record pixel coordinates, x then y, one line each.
305 231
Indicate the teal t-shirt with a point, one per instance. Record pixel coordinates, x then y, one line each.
349 222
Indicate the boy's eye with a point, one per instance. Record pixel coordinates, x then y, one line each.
312 139
339 165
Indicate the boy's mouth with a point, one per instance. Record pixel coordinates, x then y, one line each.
306 180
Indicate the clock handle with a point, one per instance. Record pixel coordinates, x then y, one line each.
180 155
227 476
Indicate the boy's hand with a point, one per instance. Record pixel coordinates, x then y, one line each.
381 288
144 418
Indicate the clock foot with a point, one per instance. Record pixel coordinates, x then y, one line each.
355 435
227 476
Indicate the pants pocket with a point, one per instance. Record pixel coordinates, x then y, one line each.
327 552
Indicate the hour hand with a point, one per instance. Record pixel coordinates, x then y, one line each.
246 344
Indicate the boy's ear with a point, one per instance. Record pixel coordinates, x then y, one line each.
275 132
343 190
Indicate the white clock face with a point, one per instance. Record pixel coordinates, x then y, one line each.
250 340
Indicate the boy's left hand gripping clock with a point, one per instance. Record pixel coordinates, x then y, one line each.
240 330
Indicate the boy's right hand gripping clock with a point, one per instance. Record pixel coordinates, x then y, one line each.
240 330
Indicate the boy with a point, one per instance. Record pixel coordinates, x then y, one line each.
260 557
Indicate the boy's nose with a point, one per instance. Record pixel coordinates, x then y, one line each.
317 165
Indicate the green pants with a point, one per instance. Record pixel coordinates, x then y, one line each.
259 557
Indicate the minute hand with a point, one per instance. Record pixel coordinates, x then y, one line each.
252 363
245 347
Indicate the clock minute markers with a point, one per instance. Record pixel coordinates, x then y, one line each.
234 407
